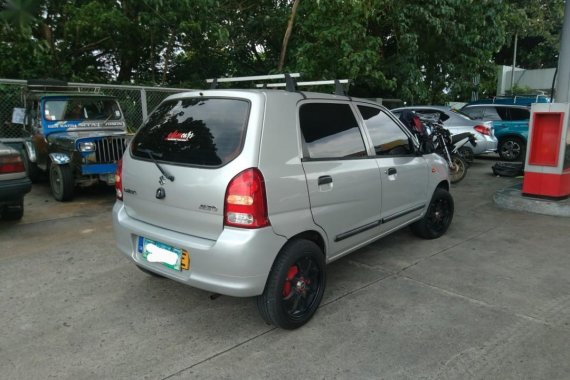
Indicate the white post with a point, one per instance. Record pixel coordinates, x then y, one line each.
563 78
144 105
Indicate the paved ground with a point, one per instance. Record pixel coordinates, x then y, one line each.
489 300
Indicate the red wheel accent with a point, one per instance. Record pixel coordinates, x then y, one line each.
291 273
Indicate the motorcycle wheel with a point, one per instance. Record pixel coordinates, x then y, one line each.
467 154
457 168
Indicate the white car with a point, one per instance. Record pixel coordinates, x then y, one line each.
457 122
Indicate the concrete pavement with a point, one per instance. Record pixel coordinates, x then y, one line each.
490 299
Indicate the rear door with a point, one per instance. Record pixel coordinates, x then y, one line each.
403 174
342 180
196 141
507 121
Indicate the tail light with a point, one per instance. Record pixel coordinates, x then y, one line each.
245 204
484 130
119 180
11 164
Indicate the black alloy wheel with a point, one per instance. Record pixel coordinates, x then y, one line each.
438 216
512 149
295 285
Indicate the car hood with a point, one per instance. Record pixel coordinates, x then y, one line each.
84 134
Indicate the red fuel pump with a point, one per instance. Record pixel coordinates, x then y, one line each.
547 166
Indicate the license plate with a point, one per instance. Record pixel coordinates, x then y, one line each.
156 252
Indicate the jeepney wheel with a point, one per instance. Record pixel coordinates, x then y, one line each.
61 182
295 285
34 173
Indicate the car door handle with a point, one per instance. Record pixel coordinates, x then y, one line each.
391 171
323 180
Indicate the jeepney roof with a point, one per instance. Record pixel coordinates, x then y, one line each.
39 95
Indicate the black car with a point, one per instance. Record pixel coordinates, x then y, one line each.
14 183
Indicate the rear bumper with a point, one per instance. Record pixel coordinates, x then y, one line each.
236 264
14 190
485 144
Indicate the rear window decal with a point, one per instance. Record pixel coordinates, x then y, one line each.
179 136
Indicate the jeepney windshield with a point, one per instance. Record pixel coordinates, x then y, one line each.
81 109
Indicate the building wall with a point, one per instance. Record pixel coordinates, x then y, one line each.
539 79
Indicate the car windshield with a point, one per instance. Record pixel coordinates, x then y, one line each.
461 114
81 109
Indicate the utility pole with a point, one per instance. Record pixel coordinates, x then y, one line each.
514 64
563 82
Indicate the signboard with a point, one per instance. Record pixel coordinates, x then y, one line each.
18 115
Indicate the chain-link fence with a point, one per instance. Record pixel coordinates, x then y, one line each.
136 102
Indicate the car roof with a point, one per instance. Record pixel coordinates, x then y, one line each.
496 105
270 93
439 108
40 95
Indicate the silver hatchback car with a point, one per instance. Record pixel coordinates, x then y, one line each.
252 192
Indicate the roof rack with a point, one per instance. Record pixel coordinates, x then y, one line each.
55 85
339 89
290 82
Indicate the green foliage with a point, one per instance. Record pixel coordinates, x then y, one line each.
522 90
416 50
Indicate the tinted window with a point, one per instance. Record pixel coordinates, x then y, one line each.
462 114
330 131
194 131
386 135
519 114
490 113
432 115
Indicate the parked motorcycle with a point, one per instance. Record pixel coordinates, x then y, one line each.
450 147
441 141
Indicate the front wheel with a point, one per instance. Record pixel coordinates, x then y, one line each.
295 285
61 182
457 168
438 216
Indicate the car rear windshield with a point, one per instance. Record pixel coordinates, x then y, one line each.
194 131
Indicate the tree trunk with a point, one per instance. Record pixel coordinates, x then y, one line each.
168 55
287 35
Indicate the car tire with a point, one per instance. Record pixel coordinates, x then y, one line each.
34 173
14 211
438 216
61 182
295 285
512 149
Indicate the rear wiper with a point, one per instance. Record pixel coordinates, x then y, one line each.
152 154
